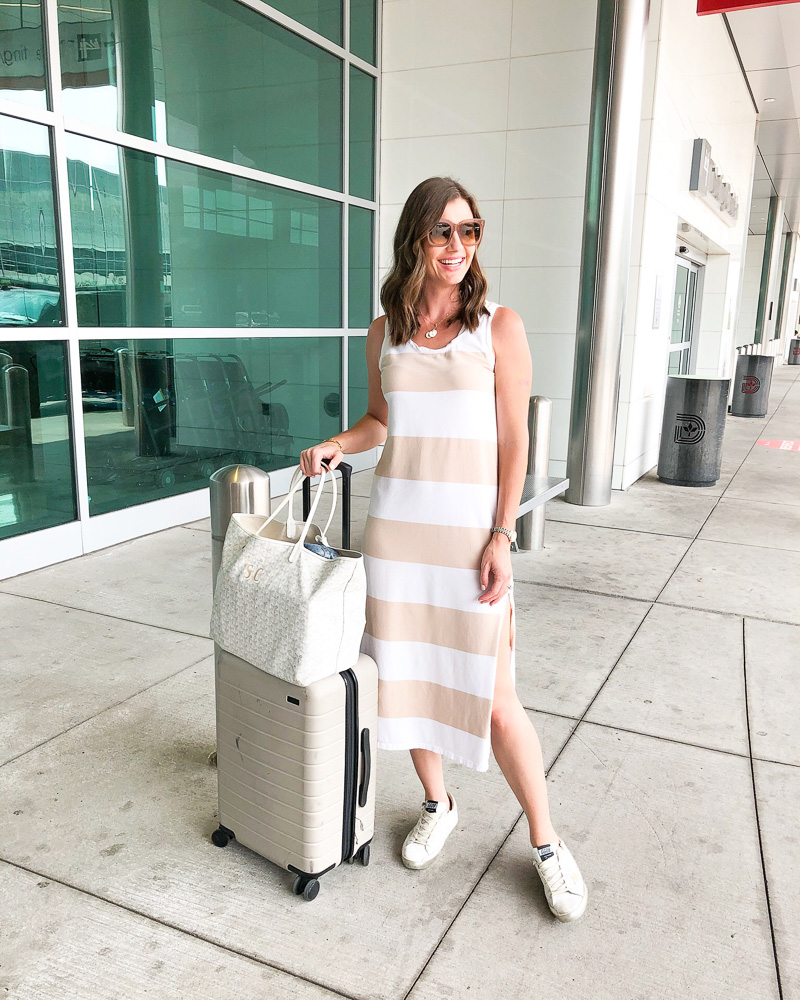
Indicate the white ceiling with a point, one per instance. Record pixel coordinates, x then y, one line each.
768 40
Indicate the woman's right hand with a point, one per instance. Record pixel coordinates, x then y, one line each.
311 458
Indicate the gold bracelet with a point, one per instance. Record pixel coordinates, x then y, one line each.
339 443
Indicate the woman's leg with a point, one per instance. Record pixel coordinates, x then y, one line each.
428 766
517 749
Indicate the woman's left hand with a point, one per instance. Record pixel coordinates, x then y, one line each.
496 570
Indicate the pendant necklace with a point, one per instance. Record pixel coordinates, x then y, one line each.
432 333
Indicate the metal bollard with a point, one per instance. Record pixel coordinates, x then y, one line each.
17 396
530 527
235 489
125 375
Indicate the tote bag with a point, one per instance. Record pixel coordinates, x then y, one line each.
282 607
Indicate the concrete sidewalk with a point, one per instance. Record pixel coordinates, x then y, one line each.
658 648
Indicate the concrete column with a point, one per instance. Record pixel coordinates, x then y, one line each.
617 85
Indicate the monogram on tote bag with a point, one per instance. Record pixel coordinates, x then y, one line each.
282 607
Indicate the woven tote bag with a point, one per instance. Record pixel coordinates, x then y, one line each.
282 607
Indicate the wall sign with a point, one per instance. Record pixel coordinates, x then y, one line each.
724 6
706 182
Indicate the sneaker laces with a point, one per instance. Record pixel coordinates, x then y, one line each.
424 827
554 875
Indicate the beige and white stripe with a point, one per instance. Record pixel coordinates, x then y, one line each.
433 504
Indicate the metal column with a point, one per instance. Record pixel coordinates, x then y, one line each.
617 85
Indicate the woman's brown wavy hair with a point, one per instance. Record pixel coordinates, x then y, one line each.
401 292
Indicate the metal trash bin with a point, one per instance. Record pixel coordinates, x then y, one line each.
794 351
751 385
235 489
693 430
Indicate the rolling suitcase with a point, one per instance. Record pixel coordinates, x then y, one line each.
296 766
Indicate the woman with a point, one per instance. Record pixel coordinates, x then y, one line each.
449 381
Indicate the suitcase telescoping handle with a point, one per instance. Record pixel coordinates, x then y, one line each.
346 471
366 770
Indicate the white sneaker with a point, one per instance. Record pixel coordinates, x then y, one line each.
434 826
563 883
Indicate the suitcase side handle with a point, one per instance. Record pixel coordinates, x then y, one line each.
366 757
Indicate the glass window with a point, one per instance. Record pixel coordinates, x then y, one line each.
36 475
357 379
161 243
30 292
161 415
211 76
359 272
322 16
362 134
22 54
362 30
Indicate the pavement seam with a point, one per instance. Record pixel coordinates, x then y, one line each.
758 818
662 739
108 708
181 930
103 614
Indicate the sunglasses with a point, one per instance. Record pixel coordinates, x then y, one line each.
469 232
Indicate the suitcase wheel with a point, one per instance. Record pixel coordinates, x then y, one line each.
308 888
364 853
221 836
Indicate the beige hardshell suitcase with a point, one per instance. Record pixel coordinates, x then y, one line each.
296 766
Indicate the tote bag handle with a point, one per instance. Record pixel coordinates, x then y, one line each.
291 524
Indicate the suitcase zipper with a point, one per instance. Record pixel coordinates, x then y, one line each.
350 762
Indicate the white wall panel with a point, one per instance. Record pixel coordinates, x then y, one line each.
550 90
541 26
547 162
543 232
475 160
545 297
447 100
414 29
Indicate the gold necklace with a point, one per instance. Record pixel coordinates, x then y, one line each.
432 333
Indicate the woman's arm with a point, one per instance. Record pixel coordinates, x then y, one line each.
369 430
512 392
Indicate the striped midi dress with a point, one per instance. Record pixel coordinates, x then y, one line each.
432 507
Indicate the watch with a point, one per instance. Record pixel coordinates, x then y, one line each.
508 532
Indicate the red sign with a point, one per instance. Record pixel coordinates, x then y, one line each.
726 6
781 445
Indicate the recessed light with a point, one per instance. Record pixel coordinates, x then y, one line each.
769 100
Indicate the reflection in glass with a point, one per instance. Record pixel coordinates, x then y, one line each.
22 54
161 243
211 76
359 272
356 379
362 134
322 16
29 281
36 477
161 415
362 29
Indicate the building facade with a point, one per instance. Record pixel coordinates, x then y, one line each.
197 201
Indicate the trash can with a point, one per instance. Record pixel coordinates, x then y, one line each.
693 430
751 385
794 351
235 489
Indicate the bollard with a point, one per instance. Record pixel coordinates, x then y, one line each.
235 489
17 402
530 527
125 377
751 386
692 430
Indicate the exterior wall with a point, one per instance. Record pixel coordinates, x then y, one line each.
513 127
694 88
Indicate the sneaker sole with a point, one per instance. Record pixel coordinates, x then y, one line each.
418 868
568 918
